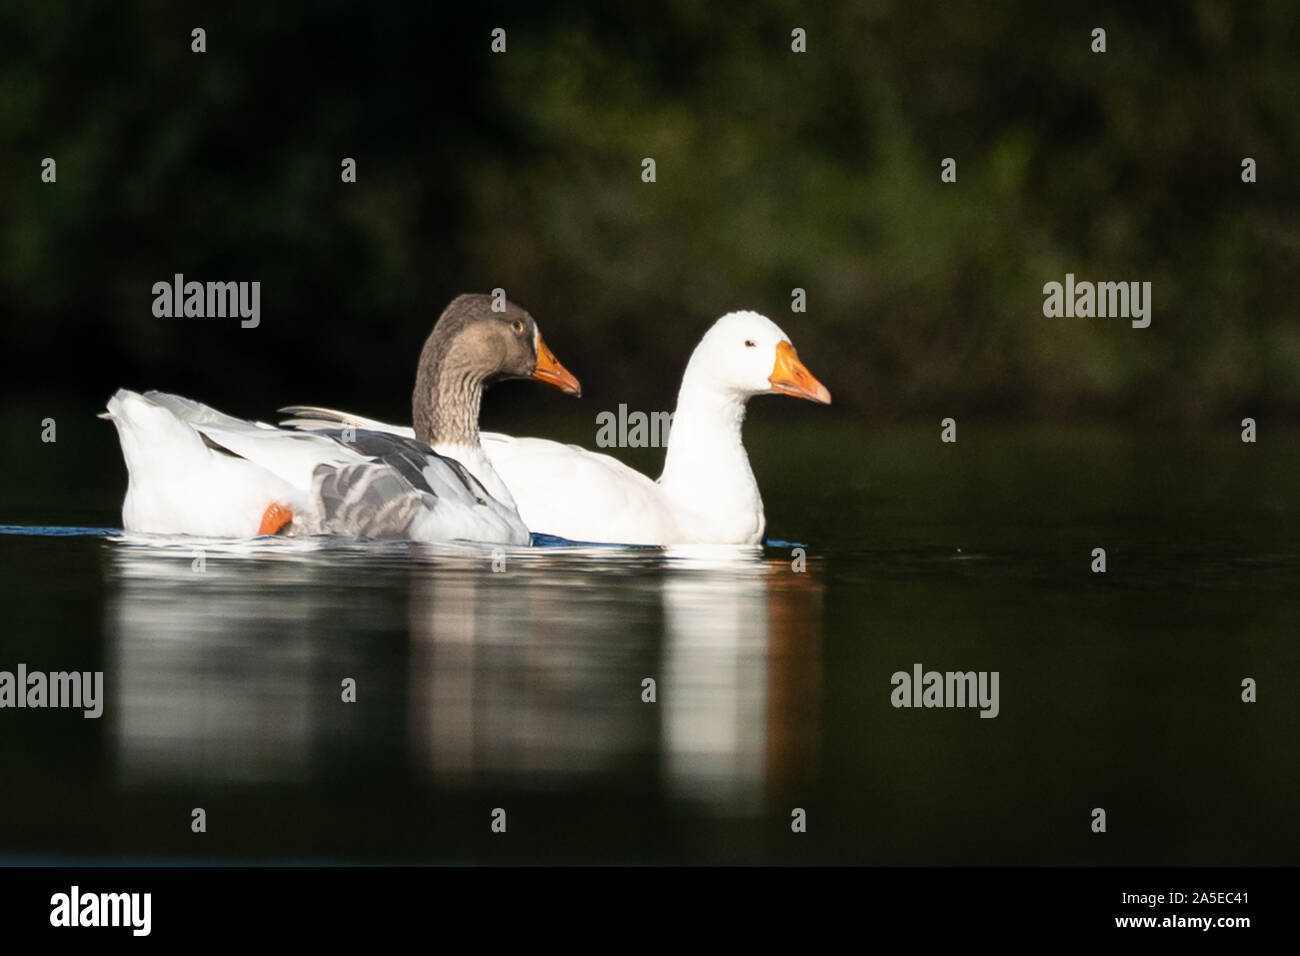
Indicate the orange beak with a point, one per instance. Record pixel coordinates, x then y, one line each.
549 370
790 377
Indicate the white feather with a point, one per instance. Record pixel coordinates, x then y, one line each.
178 483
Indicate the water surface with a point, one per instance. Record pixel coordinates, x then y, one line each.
522 688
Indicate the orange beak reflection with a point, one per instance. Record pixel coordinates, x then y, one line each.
790 377
549 370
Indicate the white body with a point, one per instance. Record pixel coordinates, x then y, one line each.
180 484
706 494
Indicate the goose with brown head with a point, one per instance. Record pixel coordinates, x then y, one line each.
472 346
194 470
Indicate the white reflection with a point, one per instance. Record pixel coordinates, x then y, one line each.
714 686
529 676
741 656
208 676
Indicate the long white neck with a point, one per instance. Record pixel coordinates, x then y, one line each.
706 471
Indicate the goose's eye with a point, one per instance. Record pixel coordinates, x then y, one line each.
749 343
517 326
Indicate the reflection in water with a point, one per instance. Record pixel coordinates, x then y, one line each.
715 683
530 671
530 676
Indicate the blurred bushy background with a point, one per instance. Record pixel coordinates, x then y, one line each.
775 170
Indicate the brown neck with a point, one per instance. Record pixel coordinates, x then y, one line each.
445 404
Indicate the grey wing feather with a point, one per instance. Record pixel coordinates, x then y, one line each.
373 499
316 413
369 500
314 418
419 464
405 490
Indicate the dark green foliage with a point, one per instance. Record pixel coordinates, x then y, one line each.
775 170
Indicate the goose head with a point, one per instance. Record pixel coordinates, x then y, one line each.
471 346
491 345
746 354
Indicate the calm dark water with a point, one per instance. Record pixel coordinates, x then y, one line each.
522 689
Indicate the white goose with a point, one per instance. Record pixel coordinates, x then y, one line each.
707 493
193 470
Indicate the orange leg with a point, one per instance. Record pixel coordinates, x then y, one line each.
274 518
